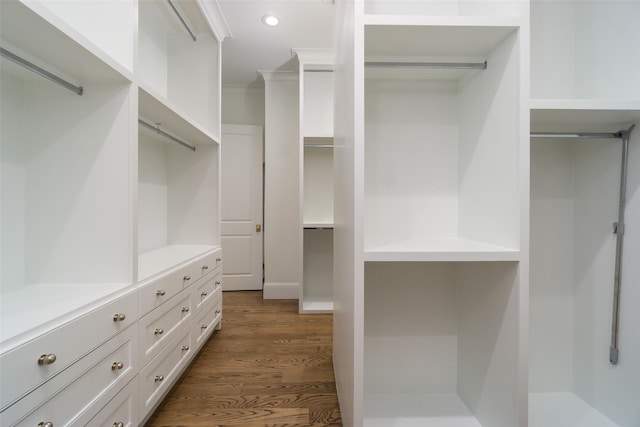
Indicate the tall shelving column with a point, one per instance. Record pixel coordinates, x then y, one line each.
583 79
431 231
316 179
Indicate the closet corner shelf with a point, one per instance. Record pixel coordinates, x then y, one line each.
155 262
562 410
155 109
313 225
583 114
34 309
437 250
417 410
444 21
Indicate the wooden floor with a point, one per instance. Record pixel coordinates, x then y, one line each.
268 366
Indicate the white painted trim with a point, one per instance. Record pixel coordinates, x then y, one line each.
216 20
270 75
314 56
281 290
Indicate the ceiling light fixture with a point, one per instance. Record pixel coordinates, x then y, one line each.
270 20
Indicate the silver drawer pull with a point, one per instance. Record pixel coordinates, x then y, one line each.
217 283
160 292
218 312
158 331
204 294
46 359
159 378
116 366
45 424
118 424
119 317
205 267
203 327
185 348
185 309
218 259
186 277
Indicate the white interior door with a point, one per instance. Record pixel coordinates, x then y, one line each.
242 192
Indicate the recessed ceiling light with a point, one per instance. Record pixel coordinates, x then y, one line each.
270 20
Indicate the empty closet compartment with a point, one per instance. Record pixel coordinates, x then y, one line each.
65 177
442 138
178 200
179 59
318 182
574 204
585 49
441 344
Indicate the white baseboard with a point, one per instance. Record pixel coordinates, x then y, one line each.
280 290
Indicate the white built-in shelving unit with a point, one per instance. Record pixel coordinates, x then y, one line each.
316 173
100 207
430 262
584 78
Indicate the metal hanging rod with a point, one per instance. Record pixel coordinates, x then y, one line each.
171 138
618 226
318 145
184 23
41 71
599 135
428 65
318 70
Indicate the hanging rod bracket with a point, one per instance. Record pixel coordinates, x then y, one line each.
168 136
618 228
613 355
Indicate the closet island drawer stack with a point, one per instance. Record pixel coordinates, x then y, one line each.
431 259
109 227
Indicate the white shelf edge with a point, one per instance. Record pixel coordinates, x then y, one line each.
23 318
156 108
584 104
444 21
438 250
158 261
317 225
319 307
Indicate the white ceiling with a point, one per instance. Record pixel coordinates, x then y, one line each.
255 46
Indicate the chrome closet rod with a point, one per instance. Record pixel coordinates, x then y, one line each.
166 135
318 145
436 65
184 23
618 226
79 90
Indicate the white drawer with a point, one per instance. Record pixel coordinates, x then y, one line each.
207 321
210 263
21 372
160 290
158 376
66 398
206 290
122 410
162 324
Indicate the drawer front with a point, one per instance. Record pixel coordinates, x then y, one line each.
122 410
210 263
21 369
66 398
207 290
157 377
207 321
160 290
161 325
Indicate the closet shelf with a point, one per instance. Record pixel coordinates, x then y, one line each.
437 249
443 21
155 109
562 410
584 114
34 309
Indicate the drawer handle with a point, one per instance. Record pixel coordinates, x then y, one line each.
203 327
185 309
204 294
185 348
158 331
218 260
217 283
116 366
119 317
160 292
218 312
47 359
205 267
186 277
45 424
159 378
118 424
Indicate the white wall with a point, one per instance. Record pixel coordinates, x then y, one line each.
243 105
282 251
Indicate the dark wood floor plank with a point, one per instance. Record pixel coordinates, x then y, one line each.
268 366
